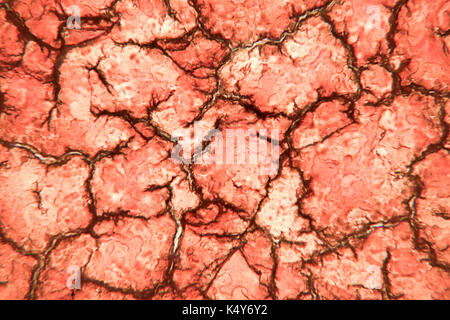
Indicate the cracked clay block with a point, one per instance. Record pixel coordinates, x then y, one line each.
206 149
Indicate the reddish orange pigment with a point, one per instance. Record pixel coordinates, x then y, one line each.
353 97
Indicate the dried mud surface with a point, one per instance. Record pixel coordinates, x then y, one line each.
358 208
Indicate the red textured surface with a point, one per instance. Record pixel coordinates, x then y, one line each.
359 206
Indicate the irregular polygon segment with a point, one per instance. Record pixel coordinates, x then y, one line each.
39 20
367 163
279 212
319 124
41 202
200 258
285 78
236 280
433 206
11 45
248 21
15 273
419 43
132 254
144 21
365 25
137 182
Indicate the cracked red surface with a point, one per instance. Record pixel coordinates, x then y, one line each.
357 206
